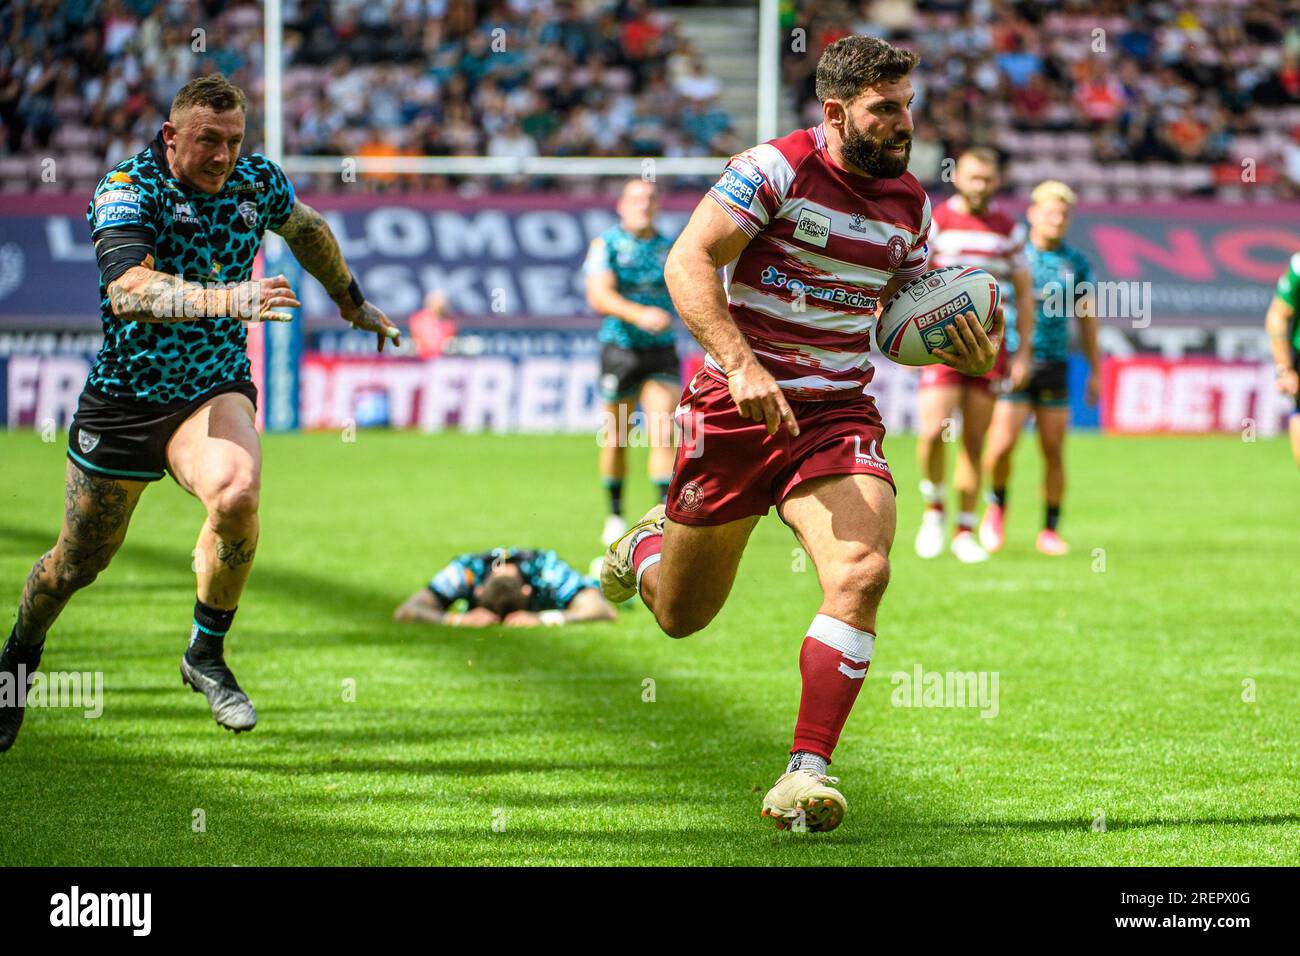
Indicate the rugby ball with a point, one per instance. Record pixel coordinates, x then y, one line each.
916 319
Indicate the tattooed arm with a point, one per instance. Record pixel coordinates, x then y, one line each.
313 244
142 295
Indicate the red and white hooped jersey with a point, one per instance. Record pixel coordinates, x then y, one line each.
993 242
805 291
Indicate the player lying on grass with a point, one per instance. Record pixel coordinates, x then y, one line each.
175 229
1046 392
814 230
1283 324
517 587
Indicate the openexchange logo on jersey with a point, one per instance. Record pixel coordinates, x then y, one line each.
103 909
840 295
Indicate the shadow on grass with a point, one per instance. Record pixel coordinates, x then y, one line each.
1071 824
113 769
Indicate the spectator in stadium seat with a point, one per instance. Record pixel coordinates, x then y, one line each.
699 86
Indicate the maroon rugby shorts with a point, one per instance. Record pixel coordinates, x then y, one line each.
729 467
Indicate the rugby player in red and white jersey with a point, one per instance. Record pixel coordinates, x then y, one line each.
969 231
813 230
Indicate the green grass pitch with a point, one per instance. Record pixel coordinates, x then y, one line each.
1149 679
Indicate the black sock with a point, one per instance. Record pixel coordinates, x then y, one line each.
16 636
615 488
1000 496
23 653
1053 516
662 488
208 636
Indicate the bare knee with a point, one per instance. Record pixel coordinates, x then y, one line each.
75 569
858 582
929 434
678 624
233 506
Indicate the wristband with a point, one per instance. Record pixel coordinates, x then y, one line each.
1280 370
552 618
452 618
354 293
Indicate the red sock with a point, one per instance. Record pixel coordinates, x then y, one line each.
650 546
833 663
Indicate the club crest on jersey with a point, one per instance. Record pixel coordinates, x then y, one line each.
248 211
814 228
691 497
897 249
87 441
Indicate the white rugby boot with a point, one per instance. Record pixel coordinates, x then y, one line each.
929 539
617 574
803 800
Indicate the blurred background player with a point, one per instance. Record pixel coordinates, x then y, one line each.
625 285
1056 270
968 231
1283 325
517 587
176 228
431 327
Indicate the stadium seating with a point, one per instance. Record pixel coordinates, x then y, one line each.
1124 100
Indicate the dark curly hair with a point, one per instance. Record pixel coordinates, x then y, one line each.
852 64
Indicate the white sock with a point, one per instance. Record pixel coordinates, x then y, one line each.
803 760
933 492
966 519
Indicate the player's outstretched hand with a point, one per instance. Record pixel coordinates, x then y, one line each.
1288 383
521 619
264 300
369 318
475 617
759 398
973 350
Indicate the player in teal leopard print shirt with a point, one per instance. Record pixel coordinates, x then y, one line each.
176 229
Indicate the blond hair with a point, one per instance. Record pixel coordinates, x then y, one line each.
1053 189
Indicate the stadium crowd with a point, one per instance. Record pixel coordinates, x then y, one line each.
89 81
1126 100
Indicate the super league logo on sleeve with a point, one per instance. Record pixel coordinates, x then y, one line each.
117 206
740 181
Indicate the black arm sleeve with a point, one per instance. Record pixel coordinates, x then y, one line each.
120 248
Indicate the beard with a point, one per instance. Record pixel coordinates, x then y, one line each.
872 154
977 203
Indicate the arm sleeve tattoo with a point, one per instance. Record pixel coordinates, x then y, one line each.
313 244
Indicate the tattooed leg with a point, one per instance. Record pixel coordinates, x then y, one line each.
96 513
224 556
215 456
